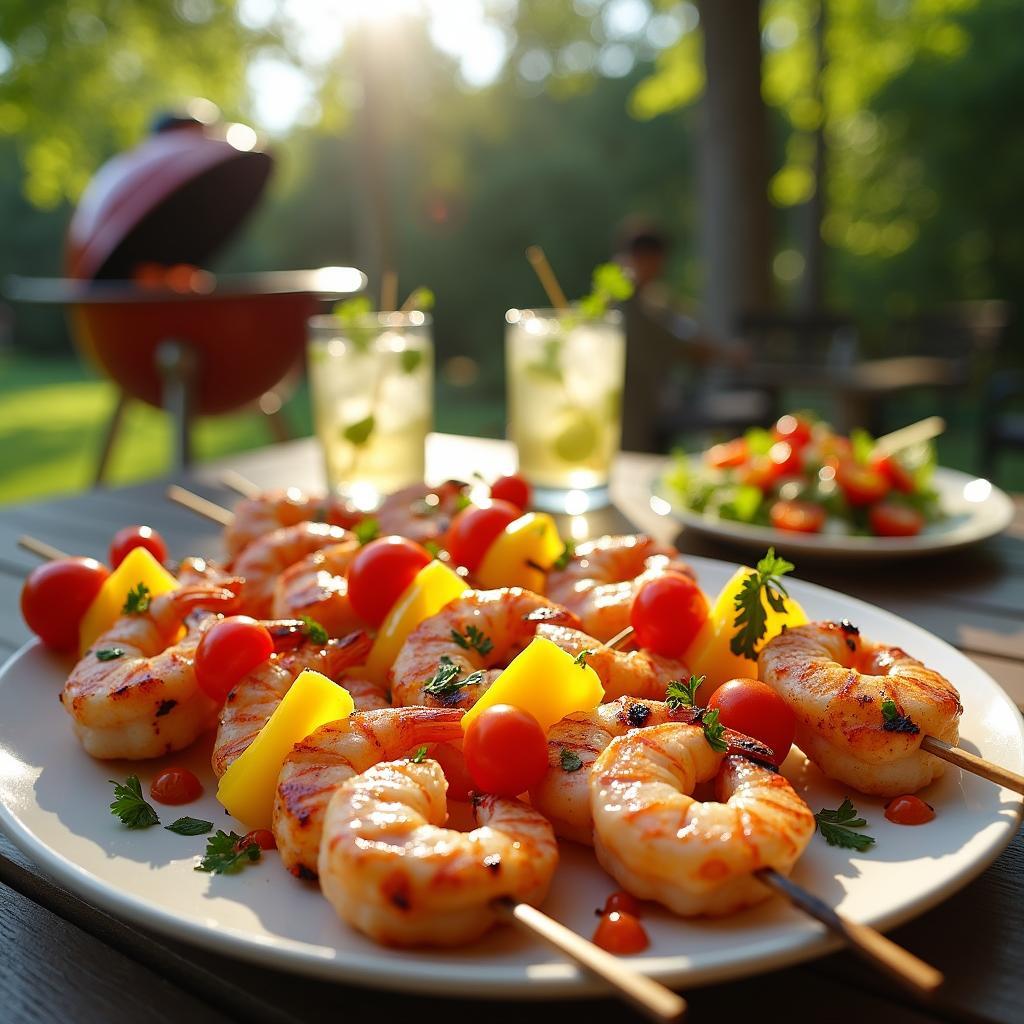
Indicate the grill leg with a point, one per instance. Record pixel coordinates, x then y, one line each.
109 437
177 363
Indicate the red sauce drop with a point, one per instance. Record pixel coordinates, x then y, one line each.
175 786
621 932
262 837
623 903
909 810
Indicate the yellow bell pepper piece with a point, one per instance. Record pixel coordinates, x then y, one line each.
547 682
434 586
248 787
709 653
519 556
138 566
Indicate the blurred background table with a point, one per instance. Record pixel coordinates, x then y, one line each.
67 960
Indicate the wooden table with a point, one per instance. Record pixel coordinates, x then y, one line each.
64 960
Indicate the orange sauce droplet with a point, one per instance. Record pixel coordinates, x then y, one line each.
621 932
909 810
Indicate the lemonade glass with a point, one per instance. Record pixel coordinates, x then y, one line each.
372 385
565 376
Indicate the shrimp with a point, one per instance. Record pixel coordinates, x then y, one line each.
838 685
392 870
144 701
268 556
317 586
603 576
318 765
574 744
504 621
258 516
694 857
256 696
419 512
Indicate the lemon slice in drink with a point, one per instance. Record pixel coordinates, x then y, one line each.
578 438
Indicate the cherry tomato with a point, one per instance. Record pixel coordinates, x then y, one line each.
909 810
262 837
453 764
475 528
229 650
887 519
137 537
766 470
175 786
56 596
380 572
622 902
728 455
892 469
620 932
797 516
506 750
667 613
754 708
794 429
513 489
861 485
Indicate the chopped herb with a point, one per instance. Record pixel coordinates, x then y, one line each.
571 761
434 548
137 600
463 501
225 854
683 695
609 284
409 359
473 640
445 682
312 629
110 653
581 658
894 721
835 827
190 827
421 753
358 433
366 530
130 805
421 299
714 731
562 561
751 615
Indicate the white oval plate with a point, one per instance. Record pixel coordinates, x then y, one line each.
54 804
975 509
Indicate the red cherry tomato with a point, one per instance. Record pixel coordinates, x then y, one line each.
861 485
513 489
453 764
229 650
56 596
622 902
380 572
766 470
887 519
175 786
754 708
137 537
909 810
892 469
262 837
667 612
475 528
794 429
728 455
797 516
506 750
620 932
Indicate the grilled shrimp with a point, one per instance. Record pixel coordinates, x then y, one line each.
694 857
505 621
318 765
144 701
392 870
420 512
837 682
255 697
574 744
256 517
268 556
603 576
317 586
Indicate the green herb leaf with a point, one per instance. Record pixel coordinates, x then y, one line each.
835 827
446 682
751 614
422 299
359 433
137 601
366 530
714 731
683 695
609 284
571 761
109 654
863 444
473 640
190 827
549 366
420 755
581 658
312 629
409 359
130 805
563 560
433 548
225 854
894 721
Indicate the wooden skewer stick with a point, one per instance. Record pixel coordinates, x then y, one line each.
647 995
242 484
541 267
972 763
915 433
200 505
900 964
388 291
41 548
620 638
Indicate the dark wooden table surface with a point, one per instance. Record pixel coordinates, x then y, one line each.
64 960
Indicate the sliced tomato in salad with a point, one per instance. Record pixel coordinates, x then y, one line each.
888 519
728 455
797 516
782 460
894 471
861 485
794 429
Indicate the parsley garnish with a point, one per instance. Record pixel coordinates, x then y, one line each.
358 433
835 827
225 854
367 530
714 731
609 284
312 629
109 653
894 721
130 805
751 614
571 761
581 658
137 600
190 827
683 695
445 682
473 639
562 561
421 753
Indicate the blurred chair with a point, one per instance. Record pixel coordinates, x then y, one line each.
1002 418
